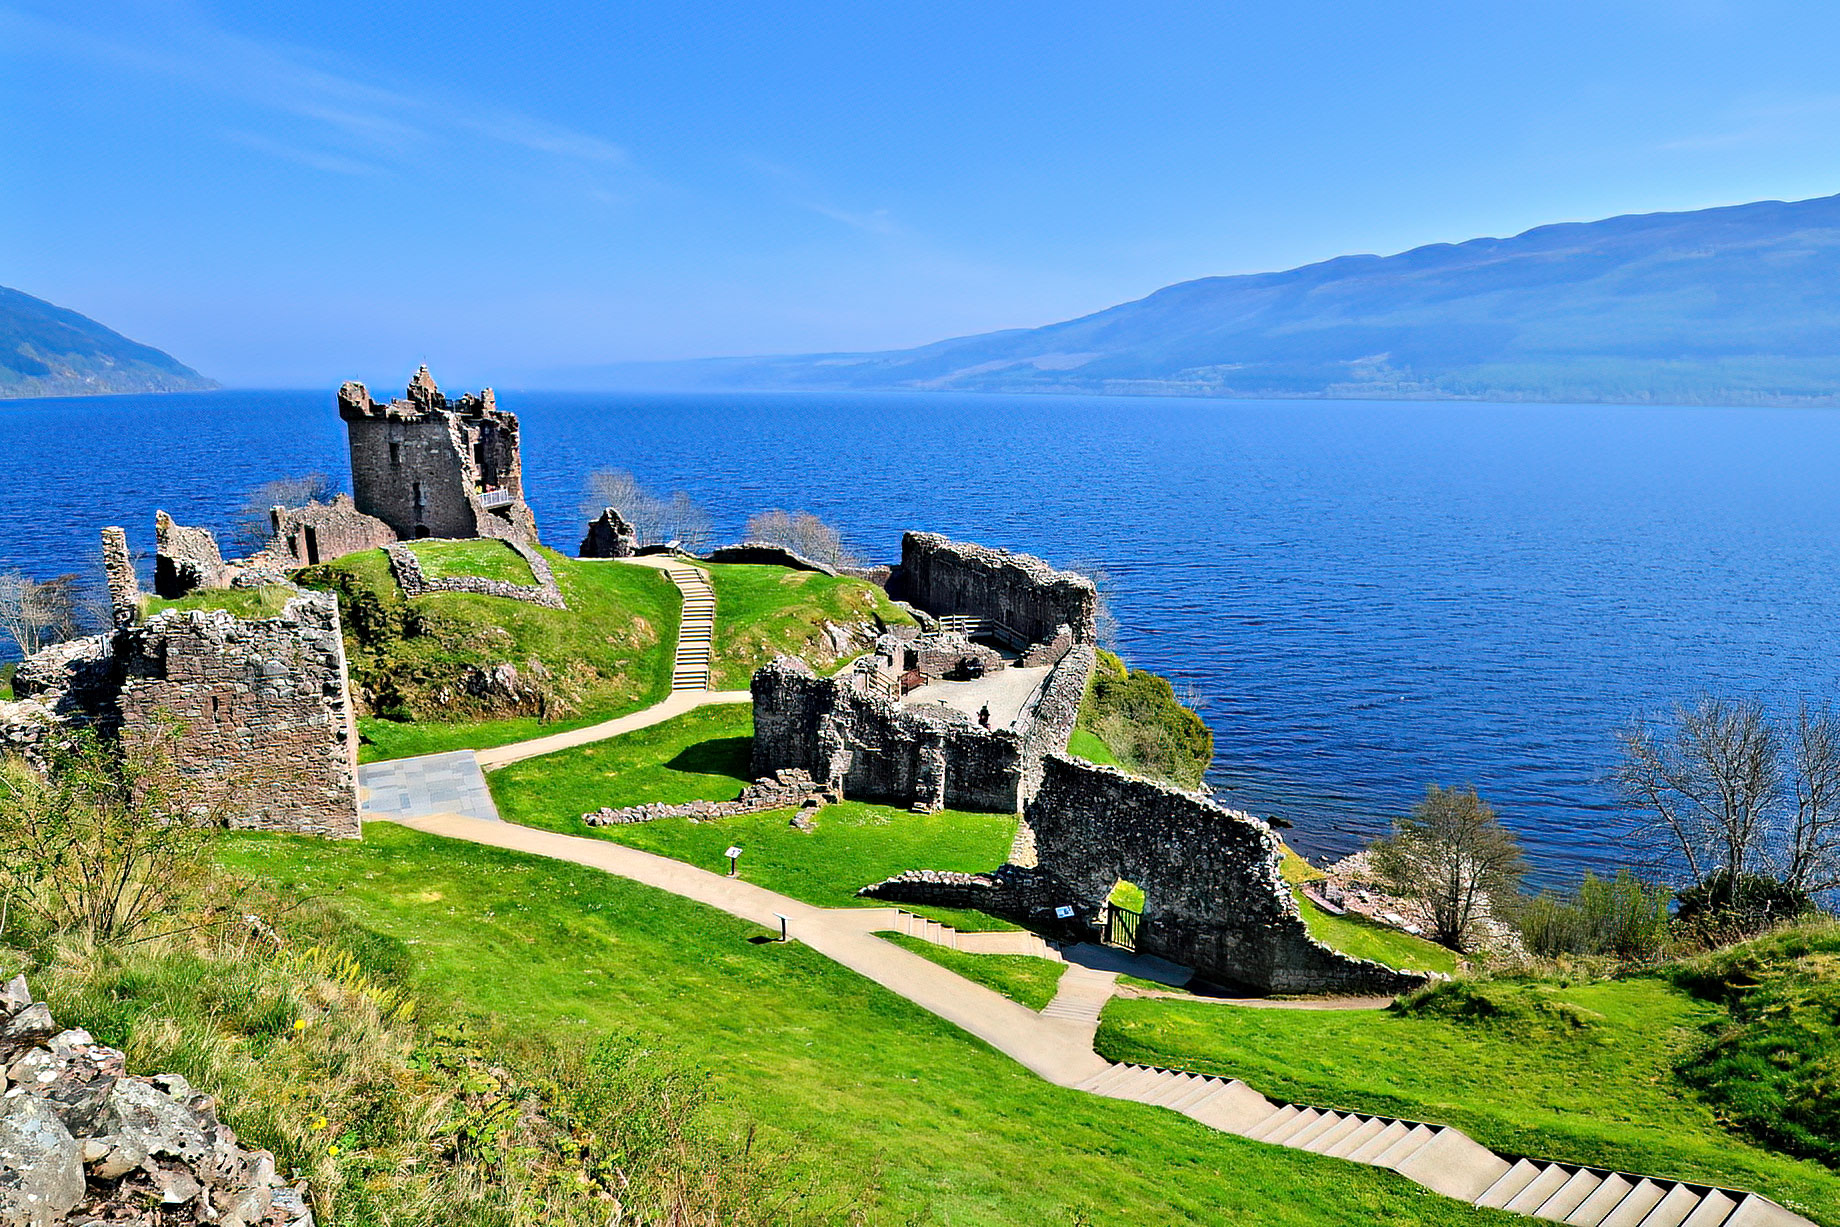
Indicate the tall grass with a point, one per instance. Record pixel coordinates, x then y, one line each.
1621 917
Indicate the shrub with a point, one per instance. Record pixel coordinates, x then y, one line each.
1723 909
1137 715
1623 917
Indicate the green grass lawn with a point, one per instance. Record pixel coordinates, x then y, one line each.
1023 978
1582 1073
607 654
703 755
859 1084
1086 745
763 612
485 557
266 601
1367 939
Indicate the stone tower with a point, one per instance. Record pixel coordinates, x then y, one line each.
432 467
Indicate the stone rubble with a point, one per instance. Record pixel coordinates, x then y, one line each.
84 1142
781 790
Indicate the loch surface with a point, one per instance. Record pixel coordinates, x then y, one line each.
1363 597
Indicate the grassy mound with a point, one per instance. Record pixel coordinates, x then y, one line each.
423 666
1773 1065
1367 939
1584 1072
854 1085
1028 981
703 755
485 558
763 612
266 601
1140 725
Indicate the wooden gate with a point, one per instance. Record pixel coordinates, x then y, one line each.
1121 927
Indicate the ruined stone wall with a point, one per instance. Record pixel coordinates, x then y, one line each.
870 747
124 583
262 709
1022 592
321 532
1047 726
430 467
608 536
767 555
1213 897
185 559
414 582
75 681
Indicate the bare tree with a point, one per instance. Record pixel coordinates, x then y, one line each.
1105 617
253 530
801 532
1808 849
1452 857
678 519
36 614
1705 787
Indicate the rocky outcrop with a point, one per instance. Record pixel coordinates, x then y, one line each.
84 1142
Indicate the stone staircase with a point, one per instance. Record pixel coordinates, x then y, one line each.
696 630
1081 995
1444 1159
1007 942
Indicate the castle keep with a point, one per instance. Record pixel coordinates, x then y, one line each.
427 466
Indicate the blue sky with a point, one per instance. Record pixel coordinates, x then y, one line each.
289 195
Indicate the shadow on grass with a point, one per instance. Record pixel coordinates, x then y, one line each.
717 756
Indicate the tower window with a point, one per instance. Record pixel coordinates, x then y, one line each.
395 454
419 504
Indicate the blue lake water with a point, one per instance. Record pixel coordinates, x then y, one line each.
1363 597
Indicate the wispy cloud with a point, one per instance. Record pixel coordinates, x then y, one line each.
799 193
1765 124
347 124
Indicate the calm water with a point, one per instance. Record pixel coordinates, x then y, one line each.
1364 597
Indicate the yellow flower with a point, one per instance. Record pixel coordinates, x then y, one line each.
332 1150
319 1122
300 1024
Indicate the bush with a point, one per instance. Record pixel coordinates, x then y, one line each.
1723 909
1623 917
1138 717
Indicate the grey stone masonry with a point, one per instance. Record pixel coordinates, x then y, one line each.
414 582
609 536
185 559
428 466
1213 897
321 532
782 790
118 570
1020 591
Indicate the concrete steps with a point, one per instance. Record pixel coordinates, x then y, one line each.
696 627
1010 941
1081 996
1444 1159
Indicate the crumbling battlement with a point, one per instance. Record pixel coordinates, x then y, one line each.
428 466
321 532
185 559
261 707
1213 897
1019 591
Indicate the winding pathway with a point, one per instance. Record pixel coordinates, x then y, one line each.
1057 1045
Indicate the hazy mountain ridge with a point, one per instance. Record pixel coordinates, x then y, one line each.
47 350
1739 304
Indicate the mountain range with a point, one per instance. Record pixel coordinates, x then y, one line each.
47 350
1732 305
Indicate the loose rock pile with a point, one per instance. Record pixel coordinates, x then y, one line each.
83 1142
781 790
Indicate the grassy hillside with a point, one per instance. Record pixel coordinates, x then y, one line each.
47 350
419 664
1131 717
859 1087
763 612
1584 1072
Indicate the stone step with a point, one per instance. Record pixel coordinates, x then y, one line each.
1607 1196
1380 1143
1105 1080
1370 1128
1305 1120
1673 1208
1713 1209
1755 1211
1633 1210
1202 1090
1276 1121
1143 1081
1415 1140
1176 1087
1329 1139
1234 1108
1570 1195
1551 1179
1325 1123
1511 1183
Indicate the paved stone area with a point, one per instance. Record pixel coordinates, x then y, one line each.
430 784
1008 693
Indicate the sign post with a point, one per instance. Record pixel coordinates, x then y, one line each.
733 855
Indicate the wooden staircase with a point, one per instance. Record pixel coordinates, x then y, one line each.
1445 1159
696 628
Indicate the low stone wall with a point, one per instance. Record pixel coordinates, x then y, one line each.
783 790
1048 651
84 1141
608 536
1010 890
414 582
1213 897
865 745
1020 591
321 532
767 555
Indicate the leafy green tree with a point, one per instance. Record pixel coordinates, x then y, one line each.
1452 856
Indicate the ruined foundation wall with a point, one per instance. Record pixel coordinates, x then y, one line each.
873 749
1214 899
262 709
185 559
1021 591
321 532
